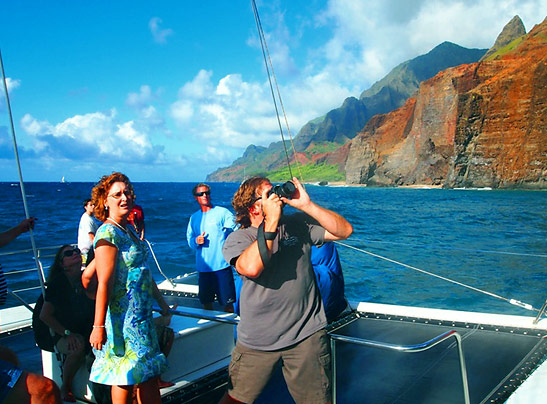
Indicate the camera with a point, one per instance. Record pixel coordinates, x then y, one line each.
286 190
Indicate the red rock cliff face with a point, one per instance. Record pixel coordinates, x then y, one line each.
476 125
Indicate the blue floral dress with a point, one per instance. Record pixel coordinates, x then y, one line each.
131 354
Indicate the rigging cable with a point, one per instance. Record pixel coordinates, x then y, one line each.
21 183
437 247
269 67
511 301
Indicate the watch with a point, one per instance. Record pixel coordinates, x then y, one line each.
67 332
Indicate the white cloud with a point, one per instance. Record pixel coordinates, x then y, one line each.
131 136
233 112
182 111
149 116
160 35
12 84
35 127
91 136
200 86
140 99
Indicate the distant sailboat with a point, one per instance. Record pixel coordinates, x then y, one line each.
63 179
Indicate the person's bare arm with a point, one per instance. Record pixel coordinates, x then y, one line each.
8 236
336 227
89 279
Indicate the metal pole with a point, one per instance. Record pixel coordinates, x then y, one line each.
21 183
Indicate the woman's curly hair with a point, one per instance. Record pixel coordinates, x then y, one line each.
244 198
100 193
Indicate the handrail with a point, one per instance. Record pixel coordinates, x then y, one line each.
228 318
27 250
41 253
401 348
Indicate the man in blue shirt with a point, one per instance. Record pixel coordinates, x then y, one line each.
207 230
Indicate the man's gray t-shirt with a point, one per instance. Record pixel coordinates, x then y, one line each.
282 306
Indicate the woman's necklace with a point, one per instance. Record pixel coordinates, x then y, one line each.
124 229
119 226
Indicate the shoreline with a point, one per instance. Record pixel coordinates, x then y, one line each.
342 184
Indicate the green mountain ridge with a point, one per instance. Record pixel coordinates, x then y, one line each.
342 124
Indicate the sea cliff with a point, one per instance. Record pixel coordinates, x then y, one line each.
476 125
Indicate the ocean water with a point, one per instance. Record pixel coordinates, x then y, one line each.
491 240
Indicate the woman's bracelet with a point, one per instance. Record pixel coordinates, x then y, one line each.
98 326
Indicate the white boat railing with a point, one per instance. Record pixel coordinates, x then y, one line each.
16 267
400 348
228 318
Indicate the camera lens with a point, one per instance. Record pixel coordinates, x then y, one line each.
285 190
288 189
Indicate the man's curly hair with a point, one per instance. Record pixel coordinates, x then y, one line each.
100 193
245 196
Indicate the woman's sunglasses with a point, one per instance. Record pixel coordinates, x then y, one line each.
71 252
202 193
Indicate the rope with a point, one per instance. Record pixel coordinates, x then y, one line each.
511 301
269 66
436 247
157 263
21 183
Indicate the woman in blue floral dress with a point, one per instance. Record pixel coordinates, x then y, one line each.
124 337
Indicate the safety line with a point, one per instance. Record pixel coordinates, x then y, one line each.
269 66
511 301
434 247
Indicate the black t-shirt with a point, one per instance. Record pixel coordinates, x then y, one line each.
73 309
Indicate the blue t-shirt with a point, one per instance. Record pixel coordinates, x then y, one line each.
217 223
330 279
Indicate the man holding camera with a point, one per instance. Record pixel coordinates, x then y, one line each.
282 317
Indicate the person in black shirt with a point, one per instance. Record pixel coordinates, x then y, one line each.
69 313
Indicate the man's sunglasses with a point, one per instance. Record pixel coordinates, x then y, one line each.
202 193
71 252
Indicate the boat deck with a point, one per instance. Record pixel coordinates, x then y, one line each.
498 359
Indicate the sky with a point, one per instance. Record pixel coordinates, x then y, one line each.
171 90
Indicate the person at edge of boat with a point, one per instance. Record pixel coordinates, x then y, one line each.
206 233
18 386
124 340
136 218
69 313
86 229
282 320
